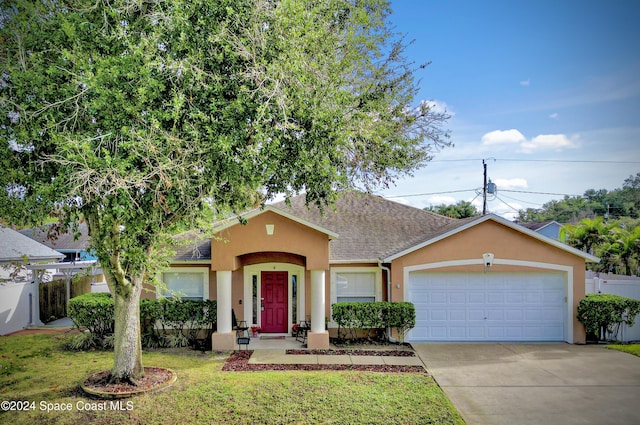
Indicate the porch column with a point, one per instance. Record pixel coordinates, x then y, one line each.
223 339
35 298
318 337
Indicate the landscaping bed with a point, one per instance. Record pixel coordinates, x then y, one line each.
239 362
332 352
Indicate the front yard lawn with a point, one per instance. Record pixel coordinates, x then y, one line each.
34 369
627 348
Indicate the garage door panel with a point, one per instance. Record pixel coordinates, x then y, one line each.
438 314
457 298
476 298
488 306
495 297
457 315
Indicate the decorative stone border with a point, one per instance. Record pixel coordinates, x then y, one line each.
332 352
238 361
95 385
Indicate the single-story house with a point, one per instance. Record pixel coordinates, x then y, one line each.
549 228
474 279
74 246
19 294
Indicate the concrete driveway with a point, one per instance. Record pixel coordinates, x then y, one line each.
547 384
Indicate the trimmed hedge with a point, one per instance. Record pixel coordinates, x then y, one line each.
602 314
171 322
378 316
95 313
164 322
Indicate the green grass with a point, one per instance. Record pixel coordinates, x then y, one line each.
34 368
627 348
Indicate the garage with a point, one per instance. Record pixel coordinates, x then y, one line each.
491 306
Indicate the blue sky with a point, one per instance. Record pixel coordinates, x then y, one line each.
526 82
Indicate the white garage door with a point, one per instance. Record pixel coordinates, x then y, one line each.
488 306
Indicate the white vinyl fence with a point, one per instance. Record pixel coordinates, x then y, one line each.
626 286
17 298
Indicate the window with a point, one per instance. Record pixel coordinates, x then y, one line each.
294 298
355 286
186 283
254 290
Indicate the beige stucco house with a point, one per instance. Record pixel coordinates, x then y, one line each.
475 279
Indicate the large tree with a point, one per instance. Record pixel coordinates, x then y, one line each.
137 115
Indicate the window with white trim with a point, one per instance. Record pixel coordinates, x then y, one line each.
355 286
185 283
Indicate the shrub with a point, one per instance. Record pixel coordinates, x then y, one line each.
170 322
164 322
602 314
95 313
373 315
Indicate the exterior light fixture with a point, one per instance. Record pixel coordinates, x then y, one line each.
487 260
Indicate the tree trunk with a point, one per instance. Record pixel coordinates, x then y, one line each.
127 344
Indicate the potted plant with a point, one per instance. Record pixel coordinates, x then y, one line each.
256 330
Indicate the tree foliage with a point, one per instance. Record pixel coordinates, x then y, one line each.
616 204
616 242
131 114
462 209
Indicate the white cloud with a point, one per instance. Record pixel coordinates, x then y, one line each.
555 142
542 142
526 82
554 116
503 137
403 201
439 106
514 183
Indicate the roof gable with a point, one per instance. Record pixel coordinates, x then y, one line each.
16 247
282 212
468 223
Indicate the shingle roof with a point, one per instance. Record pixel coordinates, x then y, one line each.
62 241
15 247
371 227
192 246
535 225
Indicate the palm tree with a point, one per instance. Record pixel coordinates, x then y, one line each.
628 247
586 234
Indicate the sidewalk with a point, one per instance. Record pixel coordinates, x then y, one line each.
279 356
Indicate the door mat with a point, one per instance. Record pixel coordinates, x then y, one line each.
271 336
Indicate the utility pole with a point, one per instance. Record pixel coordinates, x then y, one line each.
484 189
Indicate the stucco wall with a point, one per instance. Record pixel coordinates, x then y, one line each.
504 243
289 236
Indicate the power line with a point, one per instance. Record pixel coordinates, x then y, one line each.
537 204
432 193
500 199
584 161
537 193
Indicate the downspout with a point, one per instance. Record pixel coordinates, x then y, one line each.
388 273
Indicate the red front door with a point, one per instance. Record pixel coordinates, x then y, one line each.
274 302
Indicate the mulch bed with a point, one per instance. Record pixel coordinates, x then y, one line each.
332 352
154 377
239 362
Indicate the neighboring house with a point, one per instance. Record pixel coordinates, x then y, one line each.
550 229
74 247
475 279
18 293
